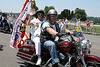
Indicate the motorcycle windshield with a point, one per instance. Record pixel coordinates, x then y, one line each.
78 29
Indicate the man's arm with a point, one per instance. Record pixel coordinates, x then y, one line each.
51 31
68 31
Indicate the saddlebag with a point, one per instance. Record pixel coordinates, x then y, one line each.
26 51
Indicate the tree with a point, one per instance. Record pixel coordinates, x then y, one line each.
80 14
46 9
72 14
60 16
65 14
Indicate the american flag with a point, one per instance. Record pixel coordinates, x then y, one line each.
24 37
18 35
16 41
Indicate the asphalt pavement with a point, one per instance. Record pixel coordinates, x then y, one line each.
7 54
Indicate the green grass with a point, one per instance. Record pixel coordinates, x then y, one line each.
97 29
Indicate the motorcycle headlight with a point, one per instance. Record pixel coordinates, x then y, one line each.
86 44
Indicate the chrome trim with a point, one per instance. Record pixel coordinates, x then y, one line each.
93 62
28 61
24 56
25 60
67 64
47 62
83 61
68 39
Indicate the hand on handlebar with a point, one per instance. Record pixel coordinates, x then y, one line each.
68 33
62 34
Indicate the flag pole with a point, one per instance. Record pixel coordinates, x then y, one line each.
33 5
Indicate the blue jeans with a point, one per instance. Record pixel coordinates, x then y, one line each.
51 46
3 25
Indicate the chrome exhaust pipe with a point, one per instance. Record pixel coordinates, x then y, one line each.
28 61
25 61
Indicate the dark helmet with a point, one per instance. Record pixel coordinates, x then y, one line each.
38 12
52 11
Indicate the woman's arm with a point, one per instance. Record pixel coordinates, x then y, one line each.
29 23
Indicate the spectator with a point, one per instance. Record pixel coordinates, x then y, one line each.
88 26
62 24
79 21
0 18
66 21
3 21
59 20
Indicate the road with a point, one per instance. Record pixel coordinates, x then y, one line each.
8 55
95 39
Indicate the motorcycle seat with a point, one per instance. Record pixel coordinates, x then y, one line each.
44 49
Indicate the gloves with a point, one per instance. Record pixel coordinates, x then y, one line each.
68 33
60 34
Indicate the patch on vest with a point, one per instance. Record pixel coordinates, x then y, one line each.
37 25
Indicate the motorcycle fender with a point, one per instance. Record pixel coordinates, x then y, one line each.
92 57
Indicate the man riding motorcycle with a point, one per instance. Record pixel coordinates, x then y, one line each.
50 30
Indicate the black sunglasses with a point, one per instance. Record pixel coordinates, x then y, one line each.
53 15
40 14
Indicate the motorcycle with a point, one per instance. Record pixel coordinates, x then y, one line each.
6 29
73 51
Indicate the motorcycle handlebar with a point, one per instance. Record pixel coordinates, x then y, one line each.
63 34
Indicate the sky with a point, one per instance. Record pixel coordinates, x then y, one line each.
92 7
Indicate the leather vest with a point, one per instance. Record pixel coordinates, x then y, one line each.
44 36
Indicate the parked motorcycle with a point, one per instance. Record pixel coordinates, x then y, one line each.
72 52
7 28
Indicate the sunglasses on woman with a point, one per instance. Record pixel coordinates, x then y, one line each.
40 14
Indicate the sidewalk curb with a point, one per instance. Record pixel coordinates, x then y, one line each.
92 34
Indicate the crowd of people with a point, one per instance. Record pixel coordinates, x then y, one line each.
7 21
63 22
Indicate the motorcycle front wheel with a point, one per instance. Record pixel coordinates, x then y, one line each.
89 62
